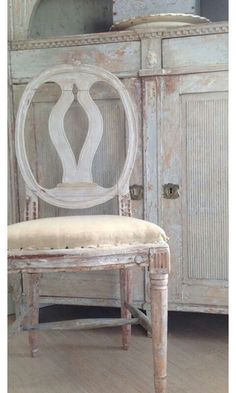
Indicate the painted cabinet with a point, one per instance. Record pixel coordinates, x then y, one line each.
178 81
193 146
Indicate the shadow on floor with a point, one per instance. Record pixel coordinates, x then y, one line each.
186 323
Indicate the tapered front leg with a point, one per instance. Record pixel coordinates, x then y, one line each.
126 297
159 268
16 288
33 311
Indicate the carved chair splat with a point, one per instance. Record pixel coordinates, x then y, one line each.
93 242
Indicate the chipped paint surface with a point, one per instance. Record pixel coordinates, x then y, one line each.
202 50
170 84
118 57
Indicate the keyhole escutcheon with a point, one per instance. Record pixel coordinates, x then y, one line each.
171 191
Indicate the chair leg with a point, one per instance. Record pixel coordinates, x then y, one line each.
33 311
159 303
126 297
149 315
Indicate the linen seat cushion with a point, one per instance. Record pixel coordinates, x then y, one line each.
82 231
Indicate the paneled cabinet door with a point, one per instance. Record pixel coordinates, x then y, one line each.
192 155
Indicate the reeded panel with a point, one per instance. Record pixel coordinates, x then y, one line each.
205 191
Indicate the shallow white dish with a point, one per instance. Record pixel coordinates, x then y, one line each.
158 21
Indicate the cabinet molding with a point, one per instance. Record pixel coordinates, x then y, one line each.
123 36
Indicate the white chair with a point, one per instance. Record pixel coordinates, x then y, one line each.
86 243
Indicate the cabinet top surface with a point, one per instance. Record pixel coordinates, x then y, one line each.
120 36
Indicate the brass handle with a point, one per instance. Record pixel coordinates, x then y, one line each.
171 191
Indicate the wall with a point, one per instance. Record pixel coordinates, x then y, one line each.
215 10
60 17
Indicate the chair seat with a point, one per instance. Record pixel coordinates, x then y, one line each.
82 231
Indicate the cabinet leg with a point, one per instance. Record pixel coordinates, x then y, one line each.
159 304
33 311
126 297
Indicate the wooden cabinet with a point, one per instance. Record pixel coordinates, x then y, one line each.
193 146
178 81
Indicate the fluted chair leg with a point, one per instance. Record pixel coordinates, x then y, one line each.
159 302
126 293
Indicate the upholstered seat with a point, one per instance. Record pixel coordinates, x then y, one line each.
82 231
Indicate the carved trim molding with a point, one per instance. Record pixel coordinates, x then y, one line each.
123 36
125 206
159 260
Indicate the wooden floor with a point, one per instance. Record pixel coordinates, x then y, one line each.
93 361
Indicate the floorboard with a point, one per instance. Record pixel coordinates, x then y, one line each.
93 361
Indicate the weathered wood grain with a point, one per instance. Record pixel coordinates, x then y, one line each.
15 328
169 146
197 359
83 259
27 64
13 190
87 301
143 319
159 267
82 324
33 311
126 295
185 51
159 304
105 288
151 121
181 97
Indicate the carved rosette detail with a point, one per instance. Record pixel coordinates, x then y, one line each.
152 58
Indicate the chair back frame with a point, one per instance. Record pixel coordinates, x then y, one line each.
77 188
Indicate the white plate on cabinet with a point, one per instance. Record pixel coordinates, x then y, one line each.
158 21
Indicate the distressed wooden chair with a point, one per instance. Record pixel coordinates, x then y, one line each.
86 243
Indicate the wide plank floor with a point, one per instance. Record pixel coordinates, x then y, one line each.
93 361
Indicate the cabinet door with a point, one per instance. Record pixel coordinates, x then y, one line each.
192 153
